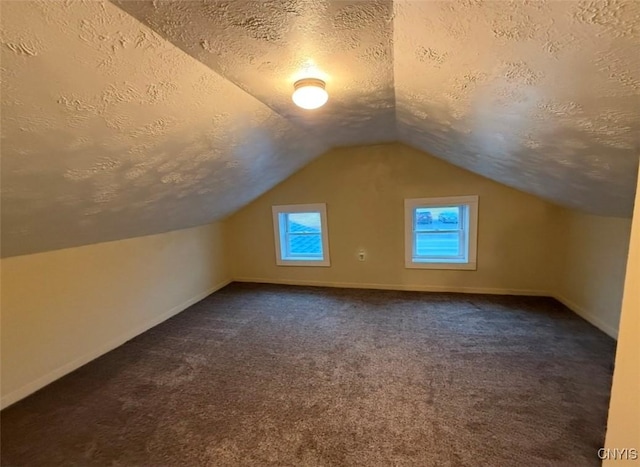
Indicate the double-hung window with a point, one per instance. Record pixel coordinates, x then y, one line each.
441 233
300 232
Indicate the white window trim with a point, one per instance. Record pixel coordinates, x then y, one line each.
289 208
472 232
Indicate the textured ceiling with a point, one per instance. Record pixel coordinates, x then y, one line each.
109 131
542 96
130 118
265 46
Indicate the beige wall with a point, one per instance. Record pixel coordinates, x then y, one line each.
623 429
591 276
364 188
63 308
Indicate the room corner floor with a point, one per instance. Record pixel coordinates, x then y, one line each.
278 375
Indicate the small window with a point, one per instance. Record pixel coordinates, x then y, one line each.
300 232
441 233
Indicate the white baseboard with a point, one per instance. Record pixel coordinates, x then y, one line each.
589 316
41 382
407 287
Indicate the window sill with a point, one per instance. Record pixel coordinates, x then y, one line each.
428 265
321 263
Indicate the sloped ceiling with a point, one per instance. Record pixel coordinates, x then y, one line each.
130 118
109 131
265 46
540 95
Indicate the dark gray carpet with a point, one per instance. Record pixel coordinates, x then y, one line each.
276 375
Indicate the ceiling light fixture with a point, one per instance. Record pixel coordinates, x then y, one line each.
309 93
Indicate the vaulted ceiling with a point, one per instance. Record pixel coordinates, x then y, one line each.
136 117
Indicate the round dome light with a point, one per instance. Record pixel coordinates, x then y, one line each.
309 93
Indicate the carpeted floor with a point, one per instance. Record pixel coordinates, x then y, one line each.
276 375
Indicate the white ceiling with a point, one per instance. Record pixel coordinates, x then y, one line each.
130 118
265 46
543 96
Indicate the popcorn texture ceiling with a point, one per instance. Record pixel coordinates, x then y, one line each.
541 96
130 118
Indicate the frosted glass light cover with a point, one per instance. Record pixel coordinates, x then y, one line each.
310 93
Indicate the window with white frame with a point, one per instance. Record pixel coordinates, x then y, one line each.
300 232
441 233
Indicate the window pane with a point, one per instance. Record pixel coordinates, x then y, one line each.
441 233
423 219
298 222
441 218
304 238
306 245
438 244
